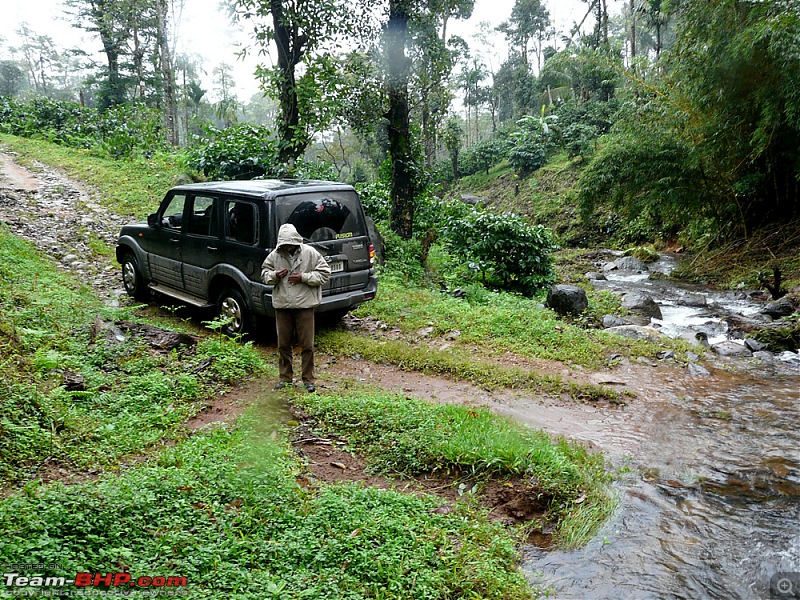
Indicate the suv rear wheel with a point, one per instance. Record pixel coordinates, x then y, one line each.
232 309
132 277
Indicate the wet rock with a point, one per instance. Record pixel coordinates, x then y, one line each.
646 361
780 308
701 339
666 355
629 263
595 276
694 300
697 370
637 332
692 356
567 299
764 355
790 358
730 349
615 321
753 345
642 304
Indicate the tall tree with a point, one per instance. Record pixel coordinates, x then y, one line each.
529 21
304 32
401 152
167 74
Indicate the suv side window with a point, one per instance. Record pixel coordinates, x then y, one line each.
201 216
172 217
241 221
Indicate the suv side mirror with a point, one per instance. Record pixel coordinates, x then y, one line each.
152 220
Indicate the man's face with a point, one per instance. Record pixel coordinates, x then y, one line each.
290 248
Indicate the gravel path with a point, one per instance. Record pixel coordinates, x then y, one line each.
62 219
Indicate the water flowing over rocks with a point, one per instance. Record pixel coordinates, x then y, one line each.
724 321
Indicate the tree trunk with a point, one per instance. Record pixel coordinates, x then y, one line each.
399 132
290 50
170 108
101 15
633 30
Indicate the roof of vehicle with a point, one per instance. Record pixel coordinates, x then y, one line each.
266 187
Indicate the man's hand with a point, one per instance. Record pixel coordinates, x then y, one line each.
296 278
281 273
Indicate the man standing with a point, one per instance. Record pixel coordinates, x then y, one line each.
297 273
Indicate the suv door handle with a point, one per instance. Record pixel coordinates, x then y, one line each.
212 248
174 241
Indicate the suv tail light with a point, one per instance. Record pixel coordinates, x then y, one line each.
371 254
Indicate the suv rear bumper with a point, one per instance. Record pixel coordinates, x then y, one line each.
337 302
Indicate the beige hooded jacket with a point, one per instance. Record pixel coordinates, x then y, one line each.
306 261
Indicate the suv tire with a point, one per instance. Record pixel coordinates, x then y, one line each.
132 278
231 306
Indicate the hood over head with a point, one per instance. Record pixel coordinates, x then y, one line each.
288 236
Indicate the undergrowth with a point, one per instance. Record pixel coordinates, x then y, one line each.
73 395
223 510
402 434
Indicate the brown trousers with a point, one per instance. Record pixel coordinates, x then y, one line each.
289 322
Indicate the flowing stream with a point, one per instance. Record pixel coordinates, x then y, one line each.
709 495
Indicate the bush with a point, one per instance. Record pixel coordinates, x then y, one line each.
239 152
528 155
58 121
481 157
504 248
130 130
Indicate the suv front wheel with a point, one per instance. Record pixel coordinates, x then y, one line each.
132 278
233 312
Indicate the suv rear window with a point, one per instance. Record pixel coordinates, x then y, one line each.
322 216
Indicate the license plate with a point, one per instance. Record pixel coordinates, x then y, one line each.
337 266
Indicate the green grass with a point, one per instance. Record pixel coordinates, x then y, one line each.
497 322
223 510
131 398
401 434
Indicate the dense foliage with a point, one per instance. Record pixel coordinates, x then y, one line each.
713 146
121 131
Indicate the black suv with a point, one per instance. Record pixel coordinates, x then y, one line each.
205 245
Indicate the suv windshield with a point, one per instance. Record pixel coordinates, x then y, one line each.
322 216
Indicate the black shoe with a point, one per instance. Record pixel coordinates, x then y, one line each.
310 387
282 384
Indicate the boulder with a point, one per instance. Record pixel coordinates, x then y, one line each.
630 263
636 332
595 276
730 349
614 321
641 304
697 370
780 308
567 299
754 345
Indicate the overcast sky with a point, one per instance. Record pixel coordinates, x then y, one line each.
204 30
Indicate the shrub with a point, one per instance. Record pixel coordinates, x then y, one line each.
481 157
130 130
504 248
239 152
